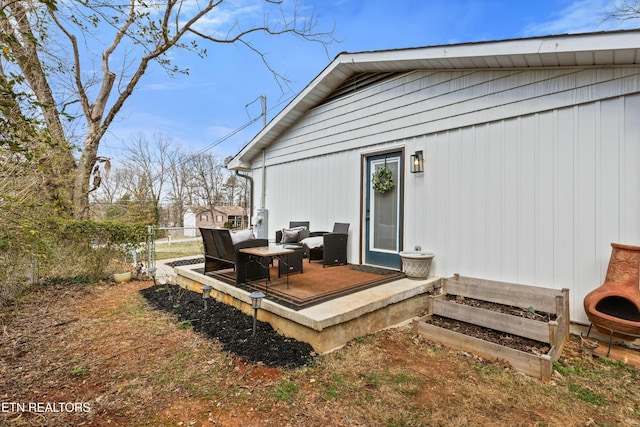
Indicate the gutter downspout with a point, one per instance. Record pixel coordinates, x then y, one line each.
264 180
250 179
263 98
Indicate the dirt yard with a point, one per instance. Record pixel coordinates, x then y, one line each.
101 355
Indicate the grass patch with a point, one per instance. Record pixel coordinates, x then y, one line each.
571 367
131 307
405 384
365 339
586 394
145 372
616 368
336 388
185 324
79 371
285 391
178 249
373 380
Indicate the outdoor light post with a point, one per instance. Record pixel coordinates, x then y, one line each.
206 294
256 300
152 272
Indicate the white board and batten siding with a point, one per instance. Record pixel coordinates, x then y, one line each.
529 174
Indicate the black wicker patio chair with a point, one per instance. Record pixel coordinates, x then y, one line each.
333 248
222 253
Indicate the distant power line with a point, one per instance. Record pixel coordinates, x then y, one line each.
227 136
219 141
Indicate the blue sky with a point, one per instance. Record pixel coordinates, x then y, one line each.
198 111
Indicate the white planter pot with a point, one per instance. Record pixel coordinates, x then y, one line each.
122 277
416 263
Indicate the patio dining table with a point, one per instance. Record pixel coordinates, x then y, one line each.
263 255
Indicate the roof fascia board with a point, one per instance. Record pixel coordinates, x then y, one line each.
536 46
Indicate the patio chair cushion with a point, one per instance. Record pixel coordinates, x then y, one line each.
291 235
313 242
242 236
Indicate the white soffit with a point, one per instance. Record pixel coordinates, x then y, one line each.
620 48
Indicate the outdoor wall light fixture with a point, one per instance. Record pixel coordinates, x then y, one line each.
417 162
206 294
256 301
152 272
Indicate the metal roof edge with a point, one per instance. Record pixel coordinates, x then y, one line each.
502 41
237 162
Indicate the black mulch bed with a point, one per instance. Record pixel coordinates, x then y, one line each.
231 327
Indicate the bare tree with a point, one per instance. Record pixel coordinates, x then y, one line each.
230 189
136 202
178 174
82 60
209 176
241 196
623 10
150 161
109 191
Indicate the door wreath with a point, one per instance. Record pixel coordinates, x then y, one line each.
383 180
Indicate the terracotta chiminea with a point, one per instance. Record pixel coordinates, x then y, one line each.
614 307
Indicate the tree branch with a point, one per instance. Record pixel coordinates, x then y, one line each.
28 60
623 11
82 94
109 76
304 31
159 50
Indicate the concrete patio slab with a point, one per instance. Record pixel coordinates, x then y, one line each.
331 324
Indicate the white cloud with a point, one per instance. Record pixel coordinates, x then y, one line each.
221 20
579 17
154 86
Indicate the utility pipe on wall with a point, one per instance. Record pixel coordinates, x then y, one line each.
264 180
264 158
248 178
